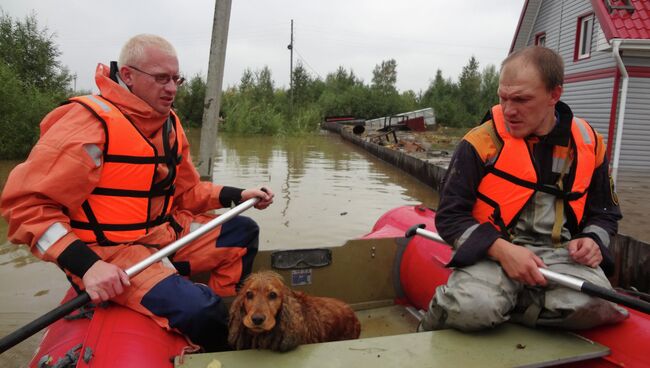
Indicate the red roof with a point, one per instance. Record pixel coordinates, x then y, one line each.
621 23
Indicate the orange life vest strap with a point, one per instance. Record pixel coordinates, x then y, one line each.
511 179
98 219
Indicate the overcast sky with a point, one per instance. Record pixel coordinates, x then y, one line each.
421 35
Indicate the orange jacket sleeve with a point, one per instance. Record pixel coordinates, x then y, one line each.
59 173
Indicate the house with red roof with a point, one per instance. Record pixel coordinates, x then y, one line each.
605 45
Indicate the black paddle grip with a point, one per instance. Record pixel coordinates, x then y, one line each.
413 230
616 297
43 321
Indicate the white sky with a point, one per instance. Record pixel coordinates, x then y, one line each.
421 35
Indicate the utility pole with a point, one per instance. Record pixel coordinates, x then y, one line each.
290 47
212 102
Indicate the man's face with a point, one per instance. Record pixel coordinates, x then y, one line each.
143 83
528 107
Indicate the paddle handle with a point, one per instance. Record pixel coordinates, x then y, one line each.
178 244
62 310
595 290
562 279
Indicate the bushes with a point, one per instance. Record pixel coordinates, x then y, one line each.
304 120
21 110
189 101
246 117
33 83
255 107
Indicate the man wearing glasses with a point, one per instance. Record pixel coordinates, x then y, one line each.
111 180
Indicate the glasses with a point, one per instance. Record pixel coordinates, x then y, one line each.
162 78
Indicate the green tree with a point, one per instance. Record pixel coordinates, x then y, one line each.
32 54
343 94
384 76
409 101
263 89
301 85
469 87
247 81
341 80
489 87
190 100
33 82
443 96
21 110
385 100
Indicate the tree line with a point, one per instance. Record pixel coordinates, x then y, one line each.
35 81
256 106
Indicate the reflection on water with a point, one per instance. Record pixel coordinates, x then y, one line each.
327 191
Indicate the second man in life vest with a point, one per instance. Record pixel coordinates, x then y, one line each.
110 181
528 188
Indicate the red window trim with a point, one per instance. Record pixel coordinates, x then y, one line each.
576 47
538 36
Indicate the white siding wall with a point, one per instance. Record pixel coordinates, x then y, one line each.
591 100
559 19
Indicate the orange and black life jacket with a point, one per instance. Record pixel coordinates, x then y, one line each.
512 179
118 209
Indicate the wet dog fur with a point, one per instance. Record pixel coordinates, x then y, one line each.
266 314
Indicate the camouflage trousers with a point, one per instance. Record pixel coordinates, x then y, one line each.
482 296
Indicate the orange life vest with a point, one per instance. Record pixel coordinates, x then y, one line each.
512 180
118 209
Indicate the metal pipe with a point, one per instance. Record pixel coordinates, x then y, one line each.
621 111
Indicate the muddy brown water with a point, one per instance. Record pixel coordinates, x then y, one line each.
326 192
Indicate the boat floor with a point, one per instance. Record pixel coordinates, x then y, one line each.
389 339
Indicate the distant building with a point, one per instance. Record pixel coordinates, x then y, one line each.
606 49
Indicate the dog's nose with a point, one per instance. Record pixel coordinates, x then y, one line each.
258 319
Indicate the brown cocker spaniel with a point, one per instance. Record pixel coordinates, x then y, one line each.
266 314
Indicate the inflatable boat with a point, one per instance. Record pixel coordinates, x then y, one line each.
389 281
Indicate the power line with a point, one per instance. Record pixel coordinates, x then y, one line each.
305 60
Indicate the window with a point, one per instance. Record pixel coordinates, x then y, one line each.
540 39
584 33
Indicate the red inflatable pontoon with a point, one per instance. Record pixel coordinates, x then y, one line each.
424 259
114 337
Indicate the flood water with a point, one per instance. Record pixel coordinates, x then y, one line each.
326 192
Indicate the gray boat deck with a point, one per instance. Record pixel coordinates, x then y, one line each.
388 340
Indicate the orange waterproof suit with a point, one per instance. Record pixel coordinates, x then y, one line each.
44 199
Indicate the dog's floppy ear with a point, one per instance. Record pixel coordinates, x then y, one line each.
236 328
291 324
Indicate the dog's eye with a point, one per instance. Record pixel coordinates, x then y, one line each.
272 295
249 295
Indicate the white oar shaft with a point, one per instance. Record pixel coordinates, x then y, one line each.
178 244
562 279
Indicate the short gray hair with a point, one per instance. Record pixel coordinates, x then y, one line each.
134 49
